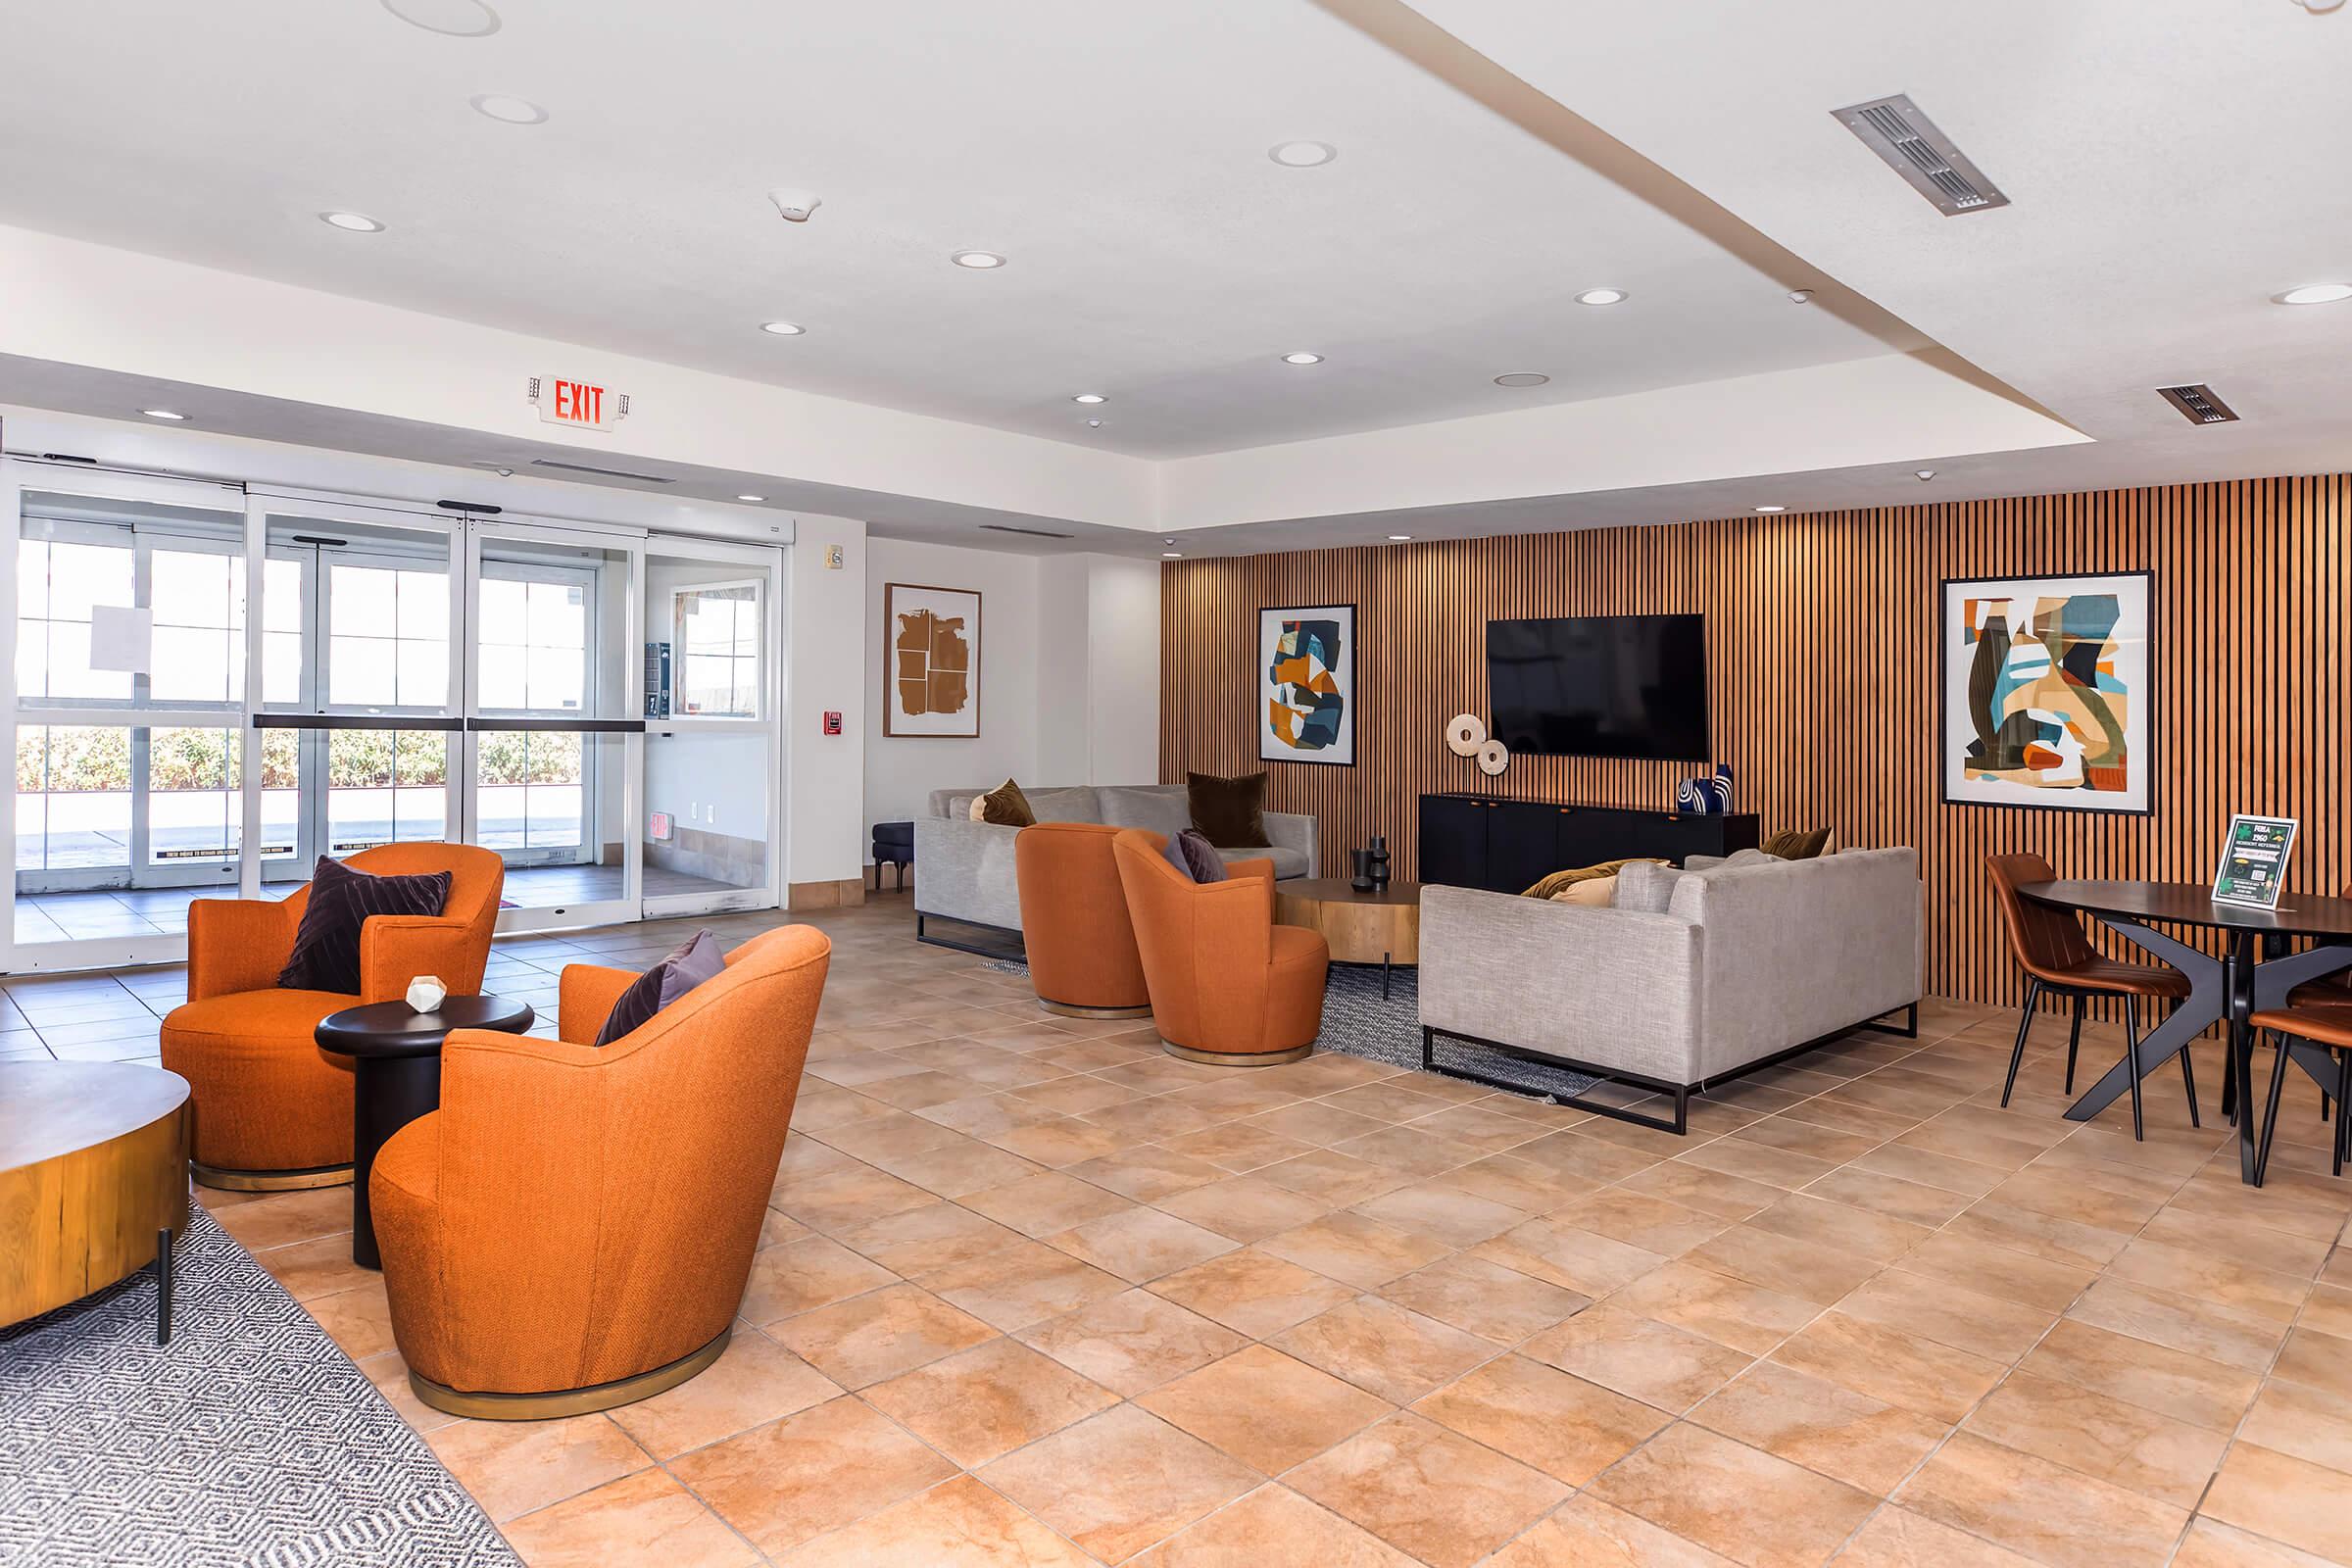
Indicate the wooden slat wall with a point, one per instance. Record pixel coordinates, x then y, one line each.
1822 645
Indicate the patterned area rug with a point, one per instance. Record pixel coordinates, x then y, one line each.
1359 1022
249 1440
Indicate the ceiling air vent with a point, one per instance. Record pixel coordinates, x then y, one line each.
609 474
1895 130
2197 404
1034 533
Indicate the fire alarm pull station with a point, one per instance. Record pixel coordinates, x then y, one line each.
832 722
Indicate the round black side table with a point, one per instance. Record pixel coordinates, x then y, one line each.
394 1055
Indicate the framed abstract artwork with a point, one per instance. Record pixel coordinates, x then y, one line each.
1306 684
2045 691
930 661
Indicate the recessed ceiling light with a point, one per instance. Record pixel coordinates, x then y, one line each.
1302 357
1172 555
1303 154
978 261
459 18
1601 296
783 328
1925 474
163 413
1522 378
2314 294
1772 509
1399 538
1094 424
1089 397
352 223
750 498
1800 296
509 108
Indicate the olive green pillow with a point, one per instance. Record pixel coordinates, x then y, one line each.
1797 844
1558 880
1007 807
1230 812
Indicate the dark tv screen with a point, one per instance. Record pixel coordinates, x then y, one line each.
1601 686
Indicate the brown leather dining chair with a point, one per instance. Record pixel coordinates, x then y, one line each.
2059 960
2317 1013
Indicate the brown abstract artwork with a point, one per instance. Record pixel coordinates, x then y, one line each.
931 661
2046 698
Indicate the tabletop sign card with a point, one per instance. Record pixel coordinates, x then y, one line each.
2254 860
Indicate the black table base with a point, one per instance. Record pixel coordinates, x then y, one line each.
389 1092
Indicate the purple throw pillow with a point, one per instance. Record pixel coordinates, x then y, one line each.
1192 853
326 944
691 962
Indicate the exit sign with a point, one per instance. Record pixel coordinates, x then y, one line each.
581 404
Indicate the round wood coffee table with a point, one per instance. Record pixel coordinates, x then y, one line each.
93 1180
1382 925
394 1055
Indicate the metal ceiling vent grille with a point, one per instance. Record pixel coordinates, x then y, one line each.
609 474
1034 533
1895 130
2197 404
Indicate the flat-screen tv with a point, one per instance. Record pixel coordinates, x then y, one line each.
1601 686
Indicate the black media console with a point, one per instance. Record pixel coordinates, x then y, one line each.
1482 841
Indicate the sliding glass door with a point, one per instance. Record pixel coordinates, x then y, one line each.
215 690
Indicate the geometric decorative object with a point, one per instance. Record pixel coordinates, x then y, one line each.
1492 758
1705 797
426 993
1465 733
2045 691
930 661
1306 684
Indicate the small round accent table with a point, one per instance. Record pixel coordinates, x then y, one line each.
1379 925
394 1055
93 1182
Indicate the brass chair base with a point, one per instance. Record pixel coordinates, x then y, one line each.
1233 1058
568 1401
268 1181
1071 1009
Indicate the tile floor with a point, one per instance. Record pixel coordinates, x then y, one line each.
1033 1293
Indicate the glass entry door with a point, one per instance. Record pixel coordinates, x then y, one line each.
553 725
713 621
129 685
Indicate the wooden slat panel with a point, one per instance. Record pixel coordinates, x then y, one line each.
1824 681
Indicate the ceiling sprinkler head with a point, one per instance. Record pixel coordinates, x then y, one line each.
795 205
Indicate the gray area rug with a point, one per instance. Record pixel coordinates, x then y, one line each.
1359 1022
249 1440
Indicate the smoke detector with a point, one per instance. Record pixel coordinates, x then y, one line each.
796 205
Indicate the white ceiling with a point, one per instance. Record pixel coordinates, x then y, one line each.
2171 164
1116 153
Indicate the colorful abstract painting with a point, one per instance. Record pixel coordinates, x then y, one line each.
1306 684
930 661
2045 691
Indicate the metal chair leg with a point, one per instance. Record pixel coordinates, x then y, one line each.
2132 1058
2073 1039
2024 1024
2188 1081
2343 1087
2270 1114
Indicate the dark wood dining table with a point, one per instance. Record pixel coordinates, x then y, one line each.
2256 970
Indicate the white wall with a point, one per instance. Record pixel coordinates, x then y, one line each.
825 629
900 772
1069 674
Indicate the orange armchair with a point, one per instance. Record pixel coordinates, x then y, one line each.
574 1228
1082 955
273 1110
1228 985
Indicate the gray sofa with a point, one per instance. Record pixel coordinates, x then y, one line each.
1690 977
963 869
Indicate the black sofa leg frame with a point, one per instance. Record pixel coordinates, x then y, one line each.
1680 1125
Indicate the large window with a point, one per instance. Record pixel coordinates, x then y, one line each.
717 626
387 636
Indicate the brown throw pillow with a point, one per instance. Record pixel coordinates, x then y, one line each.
1797 844
1230 812
1007 807
326 945
685 966
1193 855
1553 884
